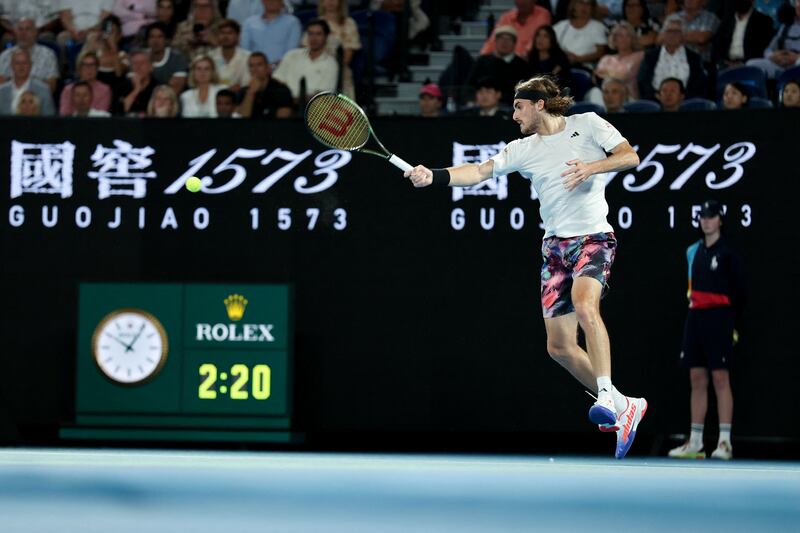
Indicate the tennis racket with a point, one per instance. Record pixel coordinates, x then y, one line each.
338 122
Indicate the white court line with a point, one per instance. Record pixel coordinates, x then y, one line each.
90 458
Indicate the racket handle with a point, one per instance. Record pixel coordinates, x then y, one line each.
399 163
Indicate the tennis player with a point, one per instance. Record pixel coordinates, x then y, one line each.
566 159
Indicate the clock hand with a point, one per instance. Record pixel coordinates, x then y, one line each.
129 348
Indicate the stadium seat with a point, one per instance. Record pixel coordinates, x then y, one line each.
642 106
697 104
48 44
581 83
759 103
585 107
385 31
454 79
305 15
753 77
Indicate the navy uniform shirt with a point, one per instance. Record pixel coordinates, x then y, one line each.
716 276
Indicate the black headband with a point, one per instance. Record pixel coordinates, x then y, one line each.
530 94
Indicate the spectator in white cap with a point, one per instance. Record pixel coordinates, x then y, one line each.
525 18
502 64
430 100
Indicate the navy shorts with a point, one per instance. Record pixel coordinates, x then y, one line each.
708 338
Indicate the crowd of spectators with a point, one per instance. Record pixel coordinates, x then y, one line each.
167 58
255 58
618 55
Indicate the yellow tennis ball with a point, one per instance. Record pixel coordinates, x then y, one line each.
193 184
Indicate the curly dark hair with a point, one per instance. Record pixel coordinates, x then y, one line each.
555 103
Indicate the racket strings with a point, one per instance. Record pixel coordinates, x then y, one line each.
337 122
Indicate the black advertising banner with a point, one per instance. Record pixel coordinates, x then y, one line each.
416 310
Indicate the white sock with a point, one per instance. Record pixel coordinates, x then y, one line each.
724 433
696 437
604 387
620 401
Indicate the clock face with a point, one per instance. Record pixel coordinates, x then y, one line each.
129 346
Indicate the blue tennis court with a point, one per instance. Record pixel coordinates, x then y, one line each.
94 490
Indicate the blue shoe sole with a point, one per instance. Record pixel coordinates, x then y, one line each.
621 451
601 415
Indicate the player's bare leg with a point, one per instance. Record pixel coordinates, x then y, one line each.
585 297
562 345
608 412
586 294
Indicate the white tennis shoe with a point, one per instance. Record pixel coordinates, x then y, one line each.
628 422
685 451
724 451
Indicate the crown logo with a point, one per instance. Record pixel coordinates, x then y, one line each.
235 304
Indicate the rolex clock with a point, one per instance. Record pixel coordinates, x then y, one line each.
171 361
130 346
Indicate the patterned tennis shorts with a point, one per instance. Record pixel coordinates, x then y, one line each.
567 259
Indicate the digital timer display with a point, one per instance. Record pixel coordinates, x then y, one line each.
234 382
246 383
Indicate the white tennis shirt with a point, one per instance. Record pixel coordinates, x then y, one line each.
542 159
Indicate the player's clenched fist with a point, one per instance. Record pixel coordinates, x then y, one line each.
420 176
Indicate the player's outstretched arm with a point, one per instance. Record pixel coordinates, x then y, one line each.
622 157
464 175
